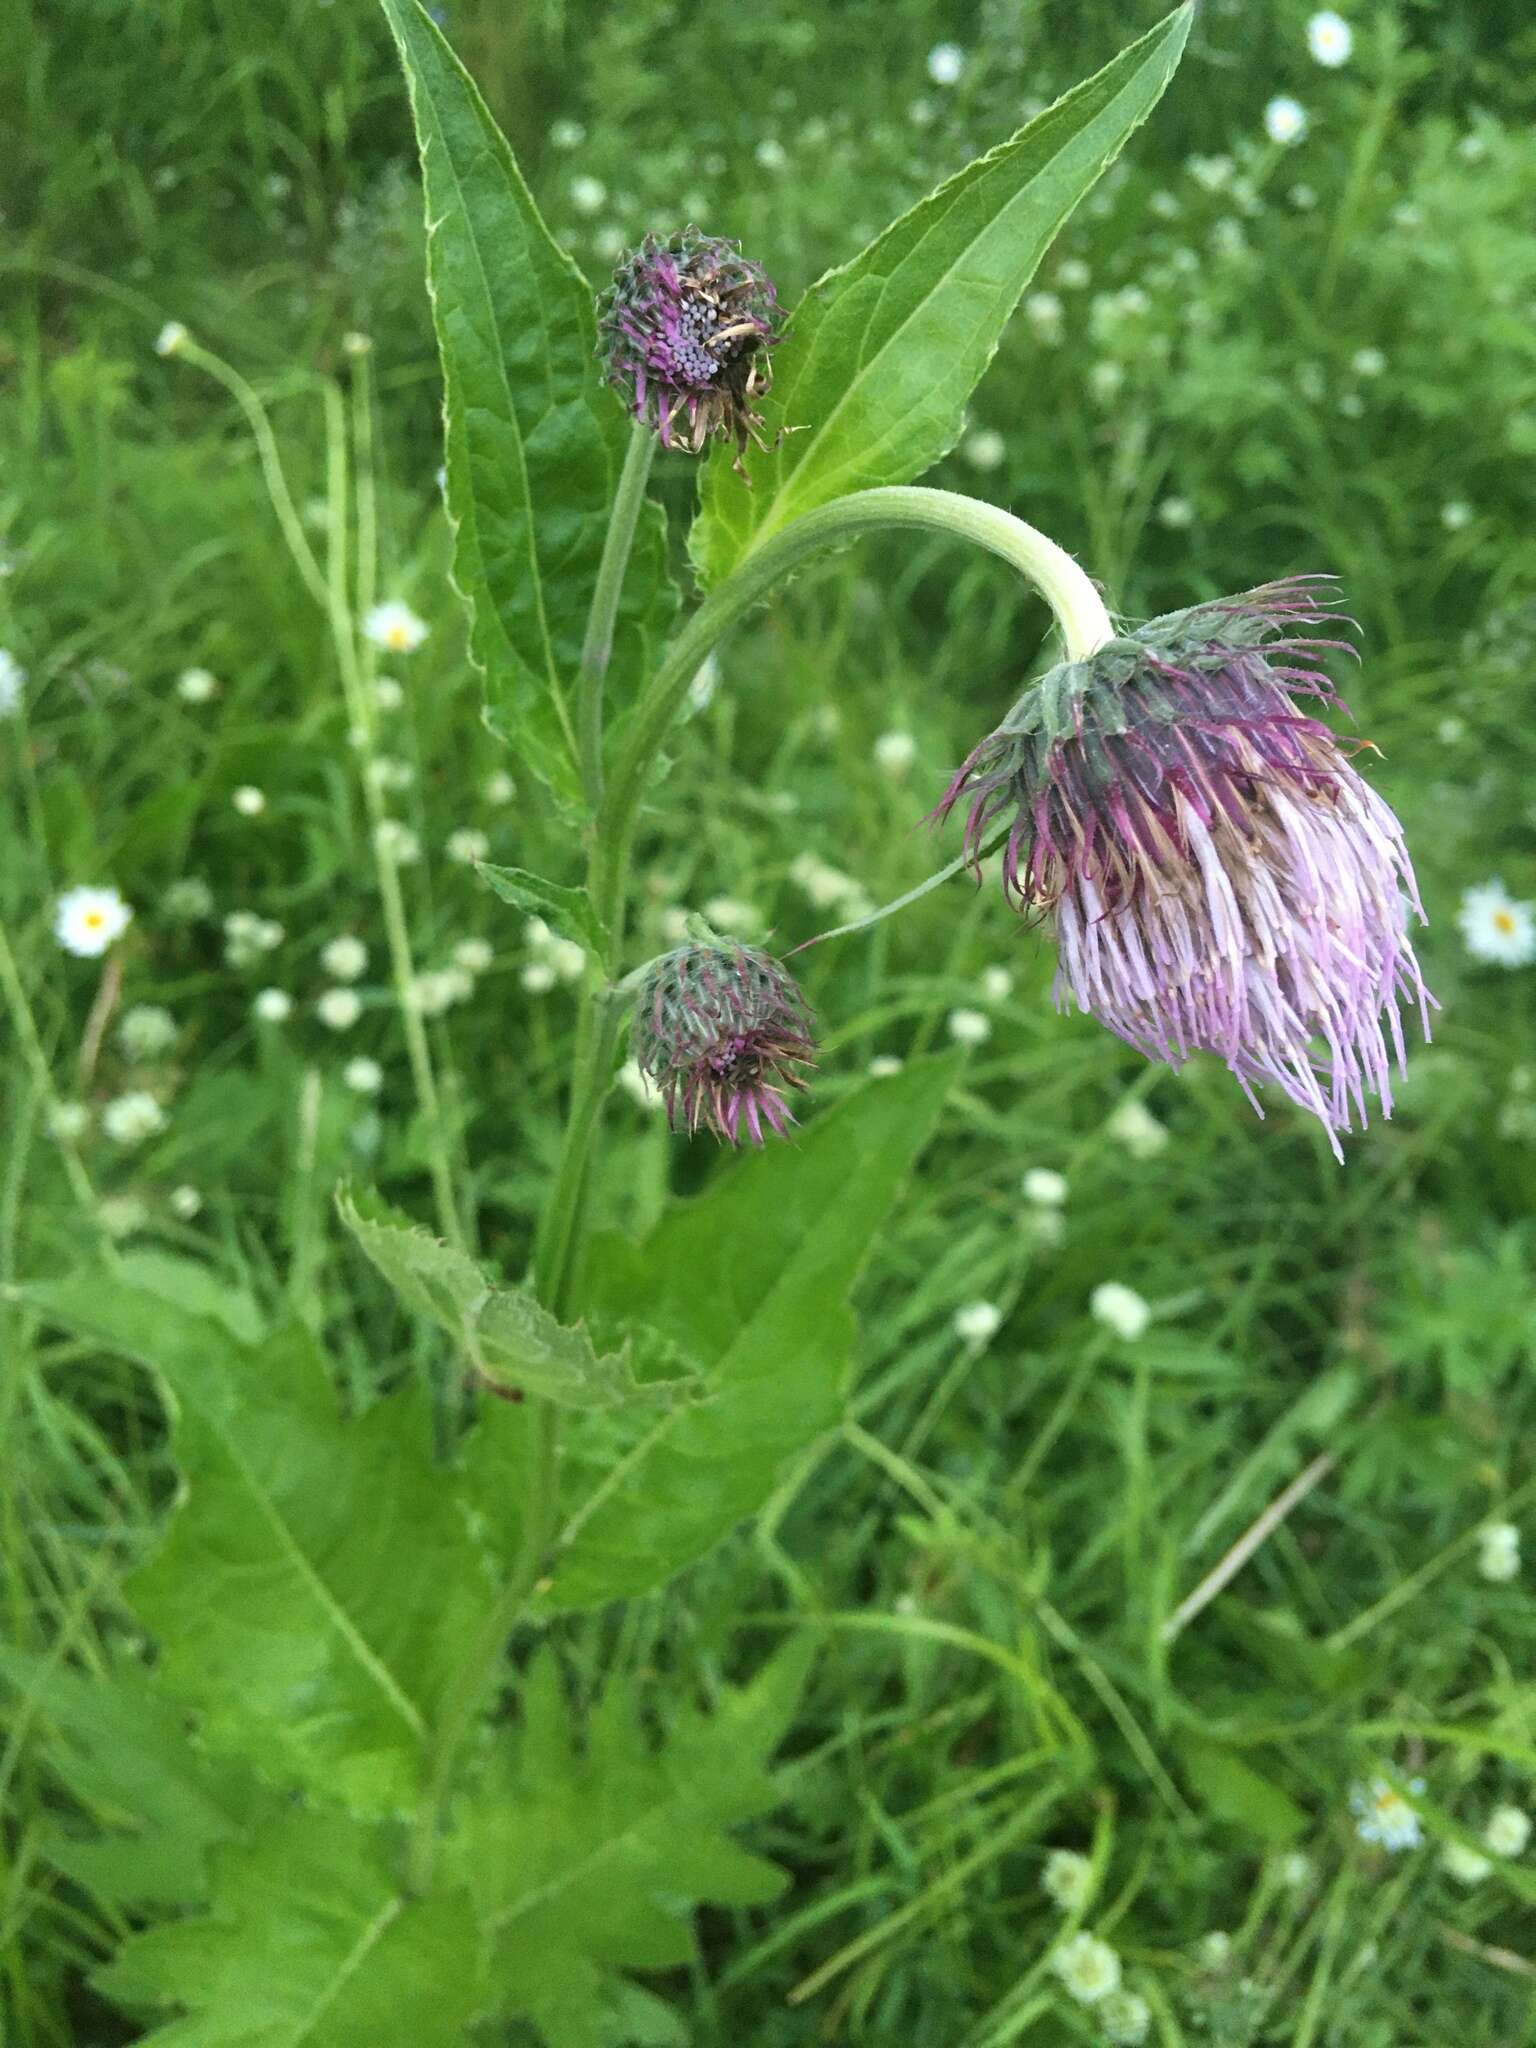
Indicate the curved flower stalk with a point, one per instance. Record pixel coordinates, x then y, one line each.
1219 876
723 1032
685 331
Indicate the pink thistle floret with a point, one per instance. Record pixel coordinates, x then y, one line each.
723 1032
684 332
1219 875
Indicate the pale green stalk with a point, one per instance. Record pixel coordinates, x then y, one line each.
29 1039
597 646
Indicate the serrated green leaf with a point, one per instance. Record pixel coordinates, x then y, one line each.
773 1331
321 1580
309 1943
588 1858
534 442
882 355
568 910
516 1343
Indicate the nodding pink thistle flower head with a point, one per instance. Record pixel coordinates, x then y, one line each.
685 331
722 1031
1220 877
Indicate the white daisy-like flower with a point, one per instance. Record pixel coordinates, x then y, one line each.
977 1321
171 337
1466 1865
363 1075
895 752
1496 927
996 984
13 680
1043 311
1120 1308
1285 120
185 1202
639 1087
130 1119
1455 515
1330 38
970 1027
946 62
87 920
68 1121
538 977
1066 1879
339 1008
1499 1552
395 627
1508 1832
588 195
1044 1187
473 955
1126 2018
985 449
273 1005
1177 514
397 842
1135 1127
249 801
467 845
197 686
146 1030
344 958
1384 1816
884 1064
1088 1968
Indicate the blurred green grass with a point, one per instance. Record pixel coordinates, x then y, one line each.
990 1548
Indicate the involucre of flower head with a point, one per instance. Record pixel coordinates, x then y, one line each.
722 1031
684 332
1219 876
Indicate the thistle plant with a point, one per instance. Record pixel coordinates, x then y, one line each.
722 1031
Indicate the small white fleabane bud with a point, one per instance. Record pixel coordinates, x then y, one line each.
397 842
249 801
13 681
468 845
1066 1879
996 984
171 337
567 135
969 1027
122 1215
1285 120
1384 1816
355 344
1464 1864
395 627
1105 381
1455 515
1135 1127
536 932
130 1119
1367 362
1499 1552
1508 1832
185 1202
146 1030
770 154
1043 311
499 787
273 1005
473 955
538 977
339 1008
567 959
1330 39
1073 274
1126 2019
1121 1309
729 914
1214 1950
1044 1187
1088 1968
363 1075
1296 1870
588 195
884 1064
1176 514
388 695
196 686
977 1321
69 1121
894 753
87 921
946 62
985 449
388 773
345 958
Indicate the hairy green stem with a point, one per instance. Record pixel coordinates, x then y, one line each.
597 647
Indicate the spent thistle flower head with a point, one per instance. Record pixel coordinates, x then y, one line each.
1219 876
684 332
722 1031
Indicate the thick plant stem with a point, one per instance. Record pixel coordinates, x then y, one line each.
597 647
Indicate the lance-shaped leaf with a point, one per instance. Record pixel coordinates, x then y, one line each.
568 910
781 1237
881 356
516 1344
534 441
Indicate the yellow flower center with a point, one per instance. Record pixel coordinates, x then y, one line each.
1502 921
94 920
397 639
